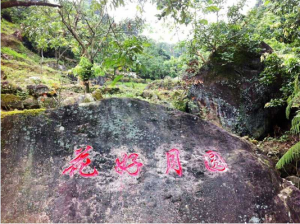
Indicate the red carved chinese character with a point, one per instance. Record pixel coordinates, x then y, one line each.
173 161
122 166
214 162
78 163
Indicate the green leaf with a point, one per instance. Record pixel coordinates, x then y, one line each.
203 21
114 82
292 154
212 8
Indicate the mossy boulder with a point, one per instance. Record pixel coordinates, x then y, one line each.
47 102
24 113
38 90
147 94
86 98
69 101
31 103
9 88
97 95
11 102
232 95
238 186
110 90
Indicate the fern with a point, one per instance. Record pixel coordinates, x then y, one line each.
293 97
289 156
294 152
296 123
289 106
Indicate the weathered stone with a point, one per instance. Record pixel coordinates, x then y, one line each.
85 98
31 103
18 35
97 95
38 90
11 102
295 180
47 102
36 149
111 90
232 96
8 88
69 101
147 94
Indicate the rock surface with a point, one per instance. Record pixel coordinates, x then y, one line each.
232 96
36 150
38 90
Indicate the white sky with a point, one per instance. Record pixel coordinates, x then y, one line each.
159 30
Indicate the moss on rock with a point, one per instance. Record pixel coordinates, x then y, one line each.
97 95
10 101
32 112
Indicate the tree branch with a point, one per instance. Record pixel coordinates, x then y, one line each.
10 4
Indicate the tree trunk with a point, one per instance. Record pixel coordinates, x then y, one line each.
87 86
9 4
114 76
42 55
57 56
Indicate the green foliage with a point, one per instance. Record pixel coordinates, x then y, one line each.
7 27
124 56
84 69
43 27
296 123
288 27
158 62
295 95
273 68
114 82
285 68
14 54
292 154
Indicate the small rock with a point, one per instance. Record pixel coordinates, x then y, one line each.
69 101
31 103
86 98
97 95
147 94
295 180
37 90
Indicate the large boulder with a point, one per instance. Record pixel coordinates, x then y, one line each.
36 150
231 95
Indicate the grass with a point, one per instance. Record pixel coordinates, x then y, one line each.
23 63
14 54
170 98
8 28
136 86
19 72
